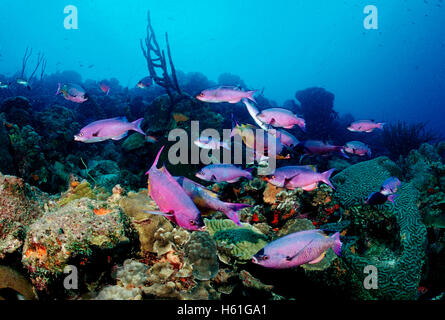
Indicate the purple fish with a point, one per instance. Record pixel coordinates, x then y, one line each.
377 198
282 175
308 181
206 199
357 148
365 126
282 118
225 94
172 200
390 186
115 129
316 147
72 92
285 137
297 248
223 172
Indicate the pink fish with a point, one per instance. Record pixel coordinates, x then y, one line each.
281 118
115 129
308 181
105 88
172 200
223 172
72 92
285 137
297 248
316 147
283 174
225 94
365 126
358 148
206 199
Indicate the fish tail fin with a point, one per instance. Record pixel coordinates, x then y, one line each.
343 153
237 206
58 88
250 95
380 125
325 177
155 163
233 215
337 243
392 197
249 173
137 126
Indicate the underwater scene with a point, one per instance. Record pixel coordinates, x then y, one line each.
222 150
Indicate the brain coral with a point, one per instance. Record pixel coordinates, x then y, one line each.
398 278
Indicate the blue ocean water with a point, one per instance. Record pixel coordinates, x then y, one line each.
393 72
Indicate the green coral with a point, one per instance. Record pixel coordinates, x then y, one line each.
83 190
399 272
355 183
235 243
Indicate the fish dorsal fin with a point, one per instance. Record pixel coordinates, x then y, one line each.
124 118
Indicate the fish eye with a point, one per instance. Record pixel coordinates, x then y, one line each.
192 222
80 134
201 94
265 257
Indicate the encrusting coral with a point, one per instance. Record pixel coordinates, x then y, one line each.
20 205
11 279
78 230
200 251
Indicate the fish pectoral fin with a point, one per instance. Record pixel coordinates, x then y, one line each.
96 133
121 136
160 213
310 187
317 260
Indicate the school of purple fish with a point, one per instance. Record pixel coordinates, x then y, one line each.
182 200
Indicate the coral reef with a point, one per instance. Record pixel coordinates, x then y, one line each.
235 244
20 205
200 252
11 279
399 271
77 231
